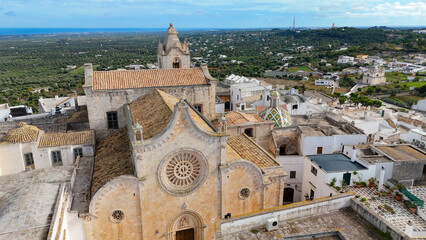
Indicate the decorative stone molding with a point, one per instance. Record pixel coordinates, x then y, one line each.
181 116
108 187
185 219
182 171
247 166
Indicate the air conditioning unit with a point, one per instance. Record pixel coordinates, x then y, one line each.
271 224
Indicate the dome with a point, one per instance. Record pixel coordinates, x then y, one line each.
23 133
172 30
277 114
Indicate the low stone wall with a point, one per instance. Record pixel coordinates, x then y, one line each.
247 222
378 221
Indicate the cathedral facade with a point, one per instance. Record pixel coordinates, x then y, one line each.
177 176
161 170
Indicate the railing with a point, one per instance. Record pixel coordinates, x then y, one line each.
413 198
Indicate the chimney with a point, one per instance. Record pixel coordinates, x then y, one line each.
353 154
88 75
409 228
382 178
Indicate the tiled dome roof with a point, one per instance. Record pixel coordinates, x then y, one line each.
23 133
277 114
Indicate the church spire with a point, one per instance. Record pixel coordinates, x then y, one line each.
172 53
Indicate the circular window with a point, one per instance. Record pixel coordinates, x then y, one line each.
117 216
182 172
244 193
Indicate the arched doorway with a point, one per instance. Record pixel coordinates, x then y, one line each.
283 149
176 63
186 225
288 195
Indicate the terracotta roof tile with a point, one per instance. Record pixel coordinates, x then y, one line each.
103 80
23 133
63 139
252 152
154 111
79 117
113 158
235 118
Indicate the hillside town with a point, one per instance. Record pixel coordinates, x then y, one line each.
167 151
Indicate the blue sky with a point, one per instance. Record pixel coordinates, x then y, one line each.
210 13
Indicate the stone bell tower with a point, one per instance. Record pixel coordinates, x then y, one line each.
172 53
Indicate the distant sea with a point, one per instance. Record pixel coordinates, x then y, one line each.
54 31
35 31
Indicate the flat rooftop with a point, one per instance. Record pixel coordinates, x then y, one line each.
318 127
346 221
402 153
27 202
336 163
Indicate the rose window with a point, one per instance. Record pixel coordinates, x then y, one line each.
182 172
183 169
244 193
117 216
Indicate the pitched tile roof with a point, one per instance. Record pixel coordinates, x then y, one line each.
23 133
235 118
103 80
249 150
112 159
154 111
79 117
63 139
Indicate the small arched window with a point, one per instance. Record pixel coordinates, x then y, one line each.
176 63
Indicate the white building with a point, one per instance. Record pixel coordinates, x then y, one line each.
327 139
327 82
296 104
235 79
420 106
346 60
45 105
26 147
416 137
293 165
321 170
245 96
4 112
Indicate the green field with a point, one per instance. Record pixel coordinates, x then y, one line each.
403 101
413 84
293 69
395 77
305 69
299 68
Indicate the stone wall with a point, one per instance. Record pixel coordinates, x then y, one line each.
283 213
378 221
407 170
